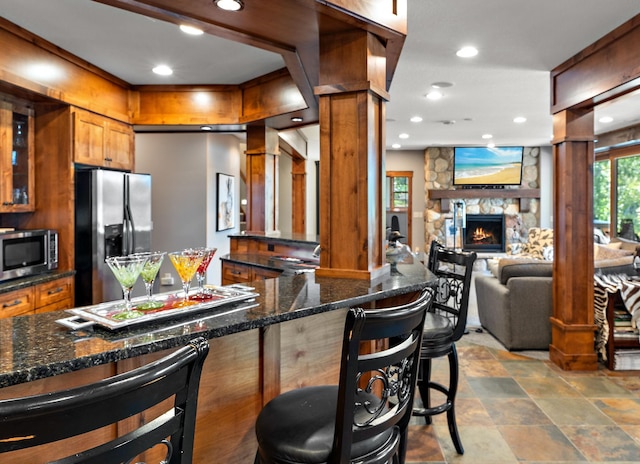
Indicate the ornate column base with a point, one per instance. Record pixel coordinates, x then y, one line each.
572 347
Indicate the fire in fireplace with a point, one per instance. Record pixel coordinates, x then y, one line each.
484 232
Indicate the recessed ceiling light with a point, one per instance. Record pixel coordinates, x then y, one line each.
163 70
606 119
229 5
296 119
519 119
396 146
487 136
467 52
441 85
191 30
206 128
416 119
403 136
434 95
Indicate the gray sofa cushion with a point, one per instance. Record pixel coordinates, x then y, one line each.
508 268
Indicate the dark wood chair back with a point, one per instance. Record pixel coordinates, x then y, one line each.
376 390
49 417
453 270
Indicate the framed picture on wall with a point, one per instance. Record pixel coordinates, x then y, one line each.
225 202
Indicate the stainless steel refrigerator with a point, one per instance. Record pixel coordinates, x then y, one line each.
112 218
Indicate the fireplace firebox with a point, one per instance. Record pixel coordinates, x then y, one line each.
484 232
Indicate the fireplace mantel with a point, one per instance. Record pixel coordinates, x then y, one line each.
524 194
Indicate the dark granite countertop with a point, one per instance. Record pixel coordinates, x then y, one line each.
24 282
35 347
311 240
288 265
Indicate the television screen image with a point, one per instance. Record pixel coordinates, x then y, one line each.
487 166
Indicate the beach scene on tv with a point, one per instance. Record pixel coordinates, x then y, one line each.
487 166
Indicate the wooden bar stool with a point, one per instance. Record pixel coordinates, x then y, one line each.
35 420
365 418
444 325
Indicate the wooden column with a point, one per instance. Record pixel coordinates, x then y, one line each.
572 324
352 167
299 196
262 179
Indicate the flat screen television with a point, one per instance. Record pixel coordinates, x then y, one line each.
484 166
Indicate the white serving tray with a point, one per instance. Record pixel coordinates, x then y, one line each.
106 314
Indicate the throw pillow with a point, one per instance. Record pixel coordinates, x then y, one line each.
604 252
515 248
599 236
538 239
547 253
626 244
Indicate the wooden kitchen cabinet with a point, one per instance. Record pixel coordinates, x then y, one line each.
260 273
48 296
100 141
17 302
17 185
54 295
236 273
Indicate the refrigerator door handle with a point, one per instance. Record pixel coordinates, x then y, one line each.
127 226
131 236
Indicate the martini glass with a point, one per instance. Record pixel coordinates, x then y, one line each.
148 274
186 263
201 273
126 269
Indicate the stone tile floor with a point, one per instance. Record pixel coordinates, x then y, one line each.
520 408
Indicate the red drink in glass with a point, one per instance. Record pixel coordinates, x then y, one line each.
201 274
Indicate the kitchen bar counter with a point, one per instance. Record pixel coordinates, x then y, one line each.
42 348
288 337
300 239
287 265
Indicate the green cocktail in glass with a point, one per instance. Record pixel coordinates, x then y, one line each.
126 269
148 274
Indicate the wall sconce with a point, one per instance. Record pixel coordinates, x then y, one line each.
229 5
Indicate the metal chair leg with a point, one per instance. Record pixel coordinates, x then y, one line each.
451 399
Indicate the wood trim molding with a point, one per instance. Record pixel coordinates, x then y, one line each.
523 194
606 67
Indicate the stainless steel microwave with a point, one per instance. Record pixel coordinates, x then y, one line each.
28 252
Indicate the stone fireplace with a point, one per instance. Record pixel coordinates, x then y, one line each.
484 232
507 202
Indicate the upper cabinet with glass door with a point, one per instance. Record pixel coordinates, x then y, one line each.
16 158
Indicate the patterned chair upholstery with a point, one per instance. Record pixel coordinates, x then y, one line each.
539 245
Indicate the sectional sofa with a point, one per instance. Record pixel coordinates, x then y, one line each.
515 297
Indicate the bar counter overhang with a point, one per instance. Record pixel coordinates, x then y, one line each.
289 337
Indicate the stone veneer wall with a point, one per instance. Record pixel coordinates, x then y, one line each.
438 168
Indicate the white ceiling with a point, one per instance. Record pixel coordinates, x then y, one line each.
519 42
